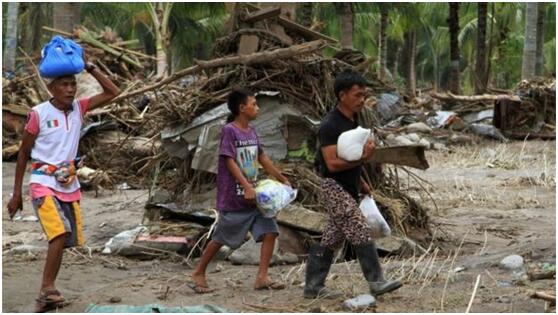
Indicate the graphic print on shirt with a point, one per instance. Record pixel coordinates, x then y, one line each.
247 160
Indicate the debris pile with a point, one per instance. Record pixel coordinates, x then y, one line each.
163 133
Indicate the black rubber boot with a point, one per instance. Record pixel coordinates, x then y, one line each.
319 262
370 264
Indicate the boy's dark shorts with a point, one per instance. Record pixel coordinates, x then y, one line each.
232 227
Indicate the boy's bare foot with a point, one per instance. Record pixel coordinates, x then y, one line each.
265 283
200 284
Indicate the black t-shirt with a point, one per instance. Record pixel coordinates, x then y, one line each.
333 125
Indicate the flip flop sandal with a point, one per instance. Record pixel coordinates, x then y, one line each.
272 285
200 289
49 300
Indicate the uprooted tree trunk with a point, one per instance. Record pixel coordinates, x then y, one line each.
474 98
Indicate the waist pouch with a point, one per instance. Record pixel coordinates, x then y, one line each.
64 173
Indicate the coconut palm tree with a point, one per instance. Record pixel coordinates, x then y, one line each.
384 14
10 45
453 24
66 16
345 10
175 33
160 14
480 64
539 65
530 45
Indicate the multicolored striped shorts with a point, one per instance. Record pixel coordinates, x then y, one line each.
58 218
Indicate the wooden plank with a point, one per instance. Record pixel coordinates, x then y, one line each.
262 15
304 31
412 156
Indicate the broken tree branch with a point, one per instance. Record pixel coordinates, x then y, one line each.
87 38
261 57
44 90
474 98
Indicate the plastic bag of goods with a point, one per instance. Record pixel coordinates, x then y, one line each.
376 221
61 57
350 144
272 196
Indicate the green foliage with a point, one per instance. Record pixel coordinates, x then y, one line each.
194 26
303 152
507 68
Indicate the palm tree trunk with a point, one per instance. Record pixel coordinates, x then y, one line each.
347 25
490 45
411 72
530 44
10 48
453 22
65 16
35 21
383 40
539 66
305 14
160 13
480 64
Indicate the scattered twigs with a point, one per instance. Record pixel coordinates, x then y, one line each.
473 294
44 90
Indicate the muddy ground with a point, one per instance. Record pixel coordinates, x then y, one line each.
493 200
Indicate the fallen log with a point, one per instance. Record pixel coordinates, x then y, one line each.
412 156
474 98
261 57
264 56
544 296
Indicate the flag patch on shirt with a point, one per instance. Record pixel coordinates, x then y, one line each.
52 123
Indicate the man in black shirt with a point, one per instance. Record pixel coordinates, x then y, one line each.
340 193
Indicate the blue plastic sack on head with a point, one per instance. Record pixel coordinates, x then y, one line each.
61 57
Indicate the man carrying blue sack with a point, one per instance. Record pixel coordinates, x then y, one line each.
51 139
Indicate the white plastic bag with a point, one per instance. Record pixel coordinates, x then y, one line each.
376 221
122 243
350 144
272 196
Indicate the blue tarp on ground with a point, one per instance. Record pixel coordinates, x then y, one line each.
153 308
